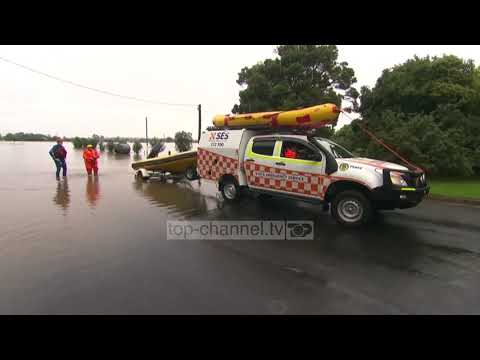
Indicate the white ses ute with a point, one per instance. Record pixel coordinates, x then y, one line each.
306 168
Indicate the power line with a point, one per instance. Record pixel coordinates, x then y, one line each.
91 88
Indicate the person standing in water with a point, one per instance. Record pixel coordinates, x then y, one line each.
90 156
59 156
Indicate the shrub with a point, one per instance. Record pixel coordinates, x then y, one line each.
137 147
183 141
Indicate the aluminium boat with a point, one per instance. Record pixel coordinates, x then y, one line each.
175 163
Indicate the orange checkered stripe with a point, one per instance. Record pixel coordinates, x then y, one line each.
212 166
281 179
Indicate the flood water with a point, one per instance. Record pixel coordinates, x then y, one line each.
61 240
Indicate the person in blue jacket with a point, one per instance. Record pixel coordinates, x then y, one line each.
59 155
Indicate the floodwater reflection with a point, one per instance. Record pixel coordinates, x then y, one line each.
137 157
93 190
176 197
62 195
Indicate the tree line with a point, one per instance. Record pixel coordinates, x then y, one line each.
94 139
183 141
21 136
427 109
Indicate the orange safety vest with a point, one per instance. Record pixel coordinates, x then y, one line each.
90 156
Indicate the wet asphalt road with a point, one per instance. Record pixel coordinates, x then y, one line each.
421 261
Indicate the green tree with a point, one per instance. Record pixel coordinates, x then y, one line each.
183 141
301 76
81 142
428 109
351 138
424 84
77 142
110 146
137 147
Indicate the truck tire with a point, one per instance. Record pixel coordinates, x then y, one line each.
230 190
351 208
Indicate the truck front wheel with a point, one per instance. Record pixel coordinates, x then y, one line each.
351 208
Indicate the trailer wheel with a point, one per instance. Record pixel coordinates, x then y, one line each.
139 176
230 190
351 208
191 174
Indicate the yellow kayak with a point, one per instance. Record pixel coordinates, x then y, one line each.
315 116
175 163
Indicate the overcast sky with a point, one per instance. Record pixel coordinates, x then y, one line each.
179 74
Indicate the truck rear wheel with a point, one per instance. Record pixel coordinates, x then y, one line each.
230 190
351 208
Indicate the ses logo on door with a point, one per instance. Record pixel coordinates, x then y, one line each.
276 176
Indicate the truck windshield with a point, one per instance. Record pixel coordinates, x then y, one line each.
336 150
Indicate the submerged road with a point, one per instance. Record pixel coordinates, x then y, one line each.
114 258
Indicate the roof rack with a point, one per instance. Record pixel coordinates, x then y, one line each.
308 131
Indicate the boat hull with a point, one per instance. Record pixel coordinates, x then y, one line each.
175 164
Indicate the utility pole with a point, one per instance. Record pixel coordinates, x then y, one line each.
199 121
146 135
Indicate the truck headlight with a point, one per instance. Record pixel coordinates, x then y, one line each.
397 179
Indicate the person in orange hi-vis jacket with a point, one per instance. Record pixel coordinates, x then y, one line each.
90 155
290 152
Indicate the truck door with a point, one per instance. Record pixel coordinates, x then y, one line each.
287 165
259 162
304 167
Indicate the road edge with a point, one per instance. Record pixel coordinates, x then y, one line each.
447 199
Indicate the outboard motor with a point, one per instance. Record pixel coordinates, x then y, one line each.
156 149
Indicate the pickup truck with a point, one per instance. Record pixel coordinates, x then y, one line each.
321 171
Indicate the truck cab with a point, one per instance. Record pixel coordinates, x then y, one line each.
307 168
